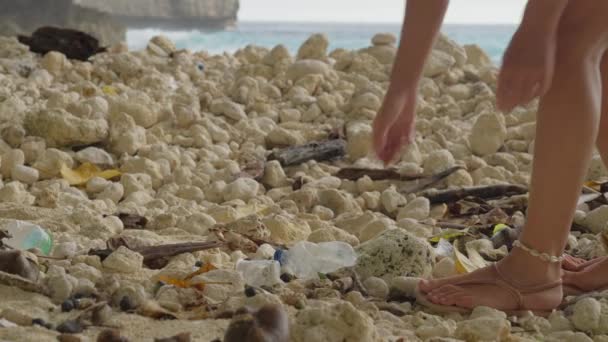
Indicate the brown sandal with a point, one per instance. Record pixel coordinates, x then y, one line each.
496 278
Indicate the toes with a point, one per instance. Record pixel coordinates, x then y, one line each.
447 295
428 285
462 300
444 294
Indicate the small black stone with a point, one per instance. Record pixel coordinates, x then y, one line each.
70 327
76 302
38 321
199 264
127 304
250 291
286 277
67 305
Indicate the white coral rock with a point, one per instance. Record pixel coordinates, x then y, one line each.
488 134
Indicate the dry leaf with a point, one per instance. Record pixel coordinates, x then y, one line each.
187 281
203 269
153 310
498 228
448 234
468 264
86 171
108 90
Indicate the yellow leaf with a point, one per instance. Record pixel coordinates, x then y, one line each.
466 265
203 269
593 185
476 259
498 228
108 90
79 175
108 174
84 172
462 263
448 235
187 281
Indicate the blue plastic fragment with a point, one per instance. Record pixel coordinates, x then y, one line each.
279 255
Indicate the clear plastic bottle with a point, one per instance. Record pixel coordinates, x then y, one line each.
260 272
26 235
306 259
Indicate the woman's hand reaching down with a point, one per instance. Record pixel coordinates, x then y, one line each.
394 125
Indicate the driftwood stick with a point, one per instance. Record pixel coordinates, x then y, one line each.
22 283
353 173
430 181
156 252
253 170
485 192
319 151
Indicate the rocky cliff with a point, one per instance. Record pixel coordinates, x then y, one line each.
168 13
25 16
108 20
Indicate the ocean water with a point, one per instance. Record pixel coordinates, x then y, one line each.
492 38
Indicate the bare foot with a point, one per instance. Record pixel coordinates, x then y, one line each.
575 264
539 285
592 277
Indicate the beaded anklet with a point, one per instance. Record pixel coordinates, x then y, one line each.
544 256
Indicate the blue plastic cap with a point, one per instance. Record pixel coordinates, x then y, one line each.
279 255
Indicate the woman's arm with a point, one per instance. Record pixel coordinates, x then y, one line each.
528 63
544 14
423 19
394 123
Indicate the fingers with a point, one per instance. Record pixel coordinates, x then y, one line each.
399 134
518 88
380 128
531 88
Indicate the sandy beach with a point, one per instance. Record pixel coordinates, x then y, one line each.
190 143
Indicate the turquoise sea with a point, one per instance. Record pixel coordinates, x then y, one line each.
492 38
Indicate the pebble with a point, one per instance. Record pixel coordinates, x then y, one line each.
395 253
70 327
384 39
339 322
10 160
438 161
123 260
586 315
418 209
376 287
483 329
25 174
111 335
488 134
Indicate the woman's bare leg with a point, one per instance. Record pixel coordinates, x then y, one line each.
577 264
593 274
567 126
602 137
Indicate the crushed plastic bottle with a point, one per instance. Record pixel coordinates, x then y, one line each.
260 272
26 235
306 259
